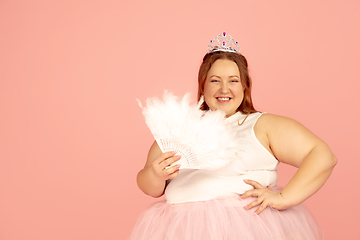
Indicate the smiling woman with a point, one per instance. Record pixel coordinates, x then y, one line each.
223 89
233 66
203 203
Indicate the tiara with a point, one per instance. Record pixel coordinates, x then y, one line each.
223 42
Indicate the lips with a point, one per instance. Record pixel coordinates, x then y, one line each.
223 99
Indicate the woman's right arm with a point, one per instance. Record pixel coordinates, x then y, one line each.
152 178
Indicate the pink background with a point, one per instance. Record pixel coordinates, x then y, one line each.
72 137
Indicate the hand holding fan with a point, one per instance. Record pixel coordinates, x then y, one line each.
202 138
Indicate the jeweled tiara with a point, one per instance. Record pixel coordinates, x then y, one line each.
223 42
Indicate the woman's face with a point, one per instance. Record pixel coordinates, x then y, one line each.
223 89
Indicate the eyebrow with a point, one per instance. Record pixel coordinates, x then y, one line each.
229 76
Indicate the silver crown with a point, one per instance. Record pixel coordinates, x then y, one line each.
223 42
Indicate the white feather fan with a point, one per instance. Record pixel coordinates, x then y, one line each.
202 138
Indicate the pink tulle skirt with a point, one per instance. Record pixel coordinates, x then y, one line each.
224 219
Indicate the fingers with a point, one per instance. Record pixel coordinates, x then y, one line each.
250 193
175 171
254 203
255 184
163 157
171 170
166 163
163 168
265 197
261 208
254 192
258 201
258 193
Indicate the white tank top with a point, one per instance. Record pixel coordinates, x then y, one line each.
255 163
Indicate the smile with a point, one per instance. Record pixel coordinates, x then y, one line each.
223 98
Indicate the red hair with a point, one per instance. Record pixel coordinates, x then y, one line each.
246 105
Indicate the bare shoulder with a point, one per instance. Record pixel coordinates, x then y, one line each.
271 123
268 118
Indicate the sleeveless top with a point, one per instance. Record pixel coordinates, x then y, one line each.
255 163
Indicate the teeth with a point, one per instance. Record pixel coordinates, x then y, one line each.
223 99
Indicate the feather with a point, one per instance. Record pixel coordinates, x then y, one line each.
202 138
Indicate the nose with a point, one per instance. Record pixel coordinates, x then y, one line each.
224 88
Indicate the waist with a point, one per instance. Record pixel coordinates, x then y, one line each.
201 185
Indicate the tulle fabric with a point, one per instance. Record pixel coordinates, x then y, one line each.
224 219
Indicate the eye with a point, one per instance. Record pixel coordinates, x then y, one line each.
234 80
214 80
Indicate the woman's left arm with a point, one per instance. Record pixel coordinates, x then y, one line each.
292 143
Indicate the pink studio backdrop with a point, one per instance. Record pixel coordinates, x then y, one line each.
72 137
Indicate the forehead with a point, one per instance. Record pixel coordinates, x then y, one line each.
224 67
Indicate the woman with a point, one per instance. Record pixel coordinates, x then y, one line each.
241 200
